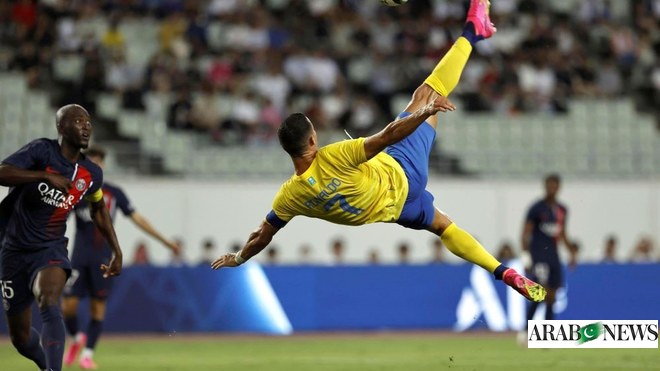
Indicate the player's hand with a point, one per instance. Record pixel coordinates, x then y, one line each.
440 104
58 182
113 268
227 260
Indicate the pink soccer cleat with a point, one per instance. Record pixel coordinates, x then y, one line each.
526 287
74 349
87 363
478 14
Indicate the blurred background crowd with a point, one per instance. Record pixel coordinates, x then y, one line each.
642 252
235 68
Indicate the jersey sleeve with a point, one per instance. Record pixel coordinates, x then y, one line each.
31 156
347 153
282 212
95 191
124 203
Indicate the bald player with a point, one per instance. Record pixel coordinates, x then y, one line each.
47 179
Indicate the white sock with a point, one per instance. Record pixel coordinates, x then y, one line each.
87 353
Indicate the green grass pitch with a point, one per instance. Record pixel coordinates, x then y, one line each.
346 352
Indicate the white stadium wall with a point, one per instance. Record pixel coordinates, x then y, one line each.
492 210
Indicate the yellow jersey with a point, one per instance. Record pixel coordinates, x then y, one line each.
342 187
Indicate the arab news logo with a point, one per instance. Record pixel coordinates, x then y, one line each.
590 332
593 334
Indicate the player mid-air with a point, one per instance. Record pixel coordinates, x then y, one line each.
382 178
47 178
90 250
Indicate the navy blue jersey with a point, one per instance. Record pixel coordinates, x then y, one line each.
549 222
90 245
35 214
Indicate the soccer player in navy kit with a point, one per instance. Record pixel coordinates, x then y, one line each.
47 179
545 227
89 251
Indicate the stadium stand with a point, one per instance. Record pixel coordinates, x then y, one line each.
198 88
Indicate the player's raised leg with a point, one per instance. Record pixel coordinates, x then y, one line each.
446 74
47 289
463 245
25 338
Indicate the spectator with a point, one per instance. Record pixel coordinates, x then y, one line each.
305 254
437 256
205 114
403 253
113 41
141 255
505 252
374 257
24 13
337 250
274 85
643 251
179 116
177 259
610 250
209 252
272 255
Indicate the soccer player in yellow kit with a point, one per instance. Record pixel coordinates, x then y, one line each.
382 178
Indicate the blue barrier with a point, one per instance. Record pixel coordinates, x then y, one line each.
310 298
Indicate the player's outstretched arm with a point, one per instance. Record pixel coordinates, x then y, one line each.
11 176
144 224
257 241
401 128
103 222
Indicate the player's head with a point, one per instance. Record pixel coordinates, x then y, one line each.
552 183
96 154
296 134
74 125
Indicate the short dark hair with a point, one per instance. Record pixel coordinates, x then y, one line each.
293 134
96 151
554 177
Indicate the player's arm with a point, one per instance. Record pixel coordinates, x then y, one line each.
141 222
525 240
399 129
571 246
11 176
103 221
526 237
257 241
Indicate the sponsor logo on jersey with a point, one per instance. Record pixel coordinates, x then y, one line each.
53 197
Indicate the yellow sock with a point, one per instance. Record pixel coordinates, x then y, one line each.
446 74
463 245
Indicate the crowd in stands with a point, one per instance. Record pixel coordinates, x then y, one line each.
235 68
642 252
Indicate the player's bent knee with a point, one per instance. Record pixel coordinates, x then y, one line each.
48 298
422 96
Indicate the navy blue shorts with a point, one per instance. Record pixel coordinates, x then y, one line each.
547 272
412 153
88 280
18 270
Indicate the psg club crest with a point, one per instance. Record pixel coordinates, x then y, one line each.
81 184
